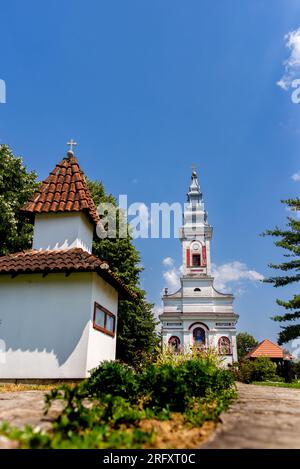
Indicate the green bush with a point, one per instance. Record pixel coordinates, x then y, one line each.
173 385
115 378
260 369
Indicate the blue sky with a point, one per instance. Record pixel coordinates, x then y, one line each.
148 88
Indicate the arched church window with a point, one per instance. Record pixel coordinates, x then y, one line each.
224 346
174 343
199 336
197 289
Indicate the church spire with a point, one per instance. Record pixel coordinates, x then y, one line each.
196 233
194 194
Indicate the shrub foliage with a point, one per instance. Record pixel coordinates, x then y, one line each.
105 410
260 369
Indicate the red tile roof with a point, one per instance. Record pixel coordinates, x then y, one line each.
64 190
68 261
266 349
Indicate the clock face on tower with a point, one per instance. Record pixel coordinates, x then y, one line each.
195 246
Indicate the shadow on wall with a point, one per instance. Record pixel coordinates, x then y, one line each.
44 316
61 345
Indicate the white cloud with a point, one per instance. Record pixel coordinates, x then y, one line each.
292 64
157 310
296 176
168 261
172 274
172 278
232 274
227 277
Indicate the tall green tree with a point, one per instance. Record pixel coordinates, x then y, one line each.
245 343
16 186
289 240
137 337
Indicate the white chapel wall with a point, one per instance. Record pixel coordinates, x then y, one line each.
100 345
62 231
44 325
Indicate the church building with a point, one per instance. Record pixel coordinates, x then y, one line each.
197 315
58 302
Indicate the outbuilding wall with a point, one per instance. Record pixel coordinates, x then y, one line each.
44 325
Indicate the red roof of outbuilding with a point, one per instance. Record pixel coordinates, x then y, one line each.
64 190
56 261
266 349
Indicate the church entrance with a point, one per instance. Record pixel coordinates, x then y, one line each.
199 337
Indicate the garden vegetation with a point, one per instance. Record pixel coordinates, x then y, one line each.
109 409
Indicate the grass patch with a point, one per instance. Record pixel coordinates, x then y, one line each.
295 385
12 387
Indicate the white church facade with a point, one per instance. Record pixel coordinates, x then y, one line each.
58 302
197 315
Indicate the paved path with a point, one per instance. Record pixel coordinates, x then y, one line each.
24 408
262 417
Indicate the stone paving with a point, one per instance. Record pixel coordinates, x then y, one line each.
24 408
262 417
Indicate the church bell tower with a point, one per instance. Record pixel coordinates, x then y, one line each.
198 315
196 233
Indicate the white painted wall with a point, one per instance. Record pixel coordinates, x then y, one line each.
100 345
62 231
46 325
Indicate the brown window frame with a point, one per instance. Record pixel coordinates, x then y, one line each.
106 313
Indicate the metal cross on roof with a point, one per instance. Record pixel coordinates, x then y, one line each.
72 144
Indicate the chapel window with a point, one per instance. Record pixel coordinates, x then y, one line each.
104 320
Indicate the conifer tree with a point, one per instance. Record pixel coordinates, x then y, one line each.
137 338
289 240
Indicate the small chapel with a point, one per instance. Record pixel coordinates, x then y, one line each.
58 302
197 315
